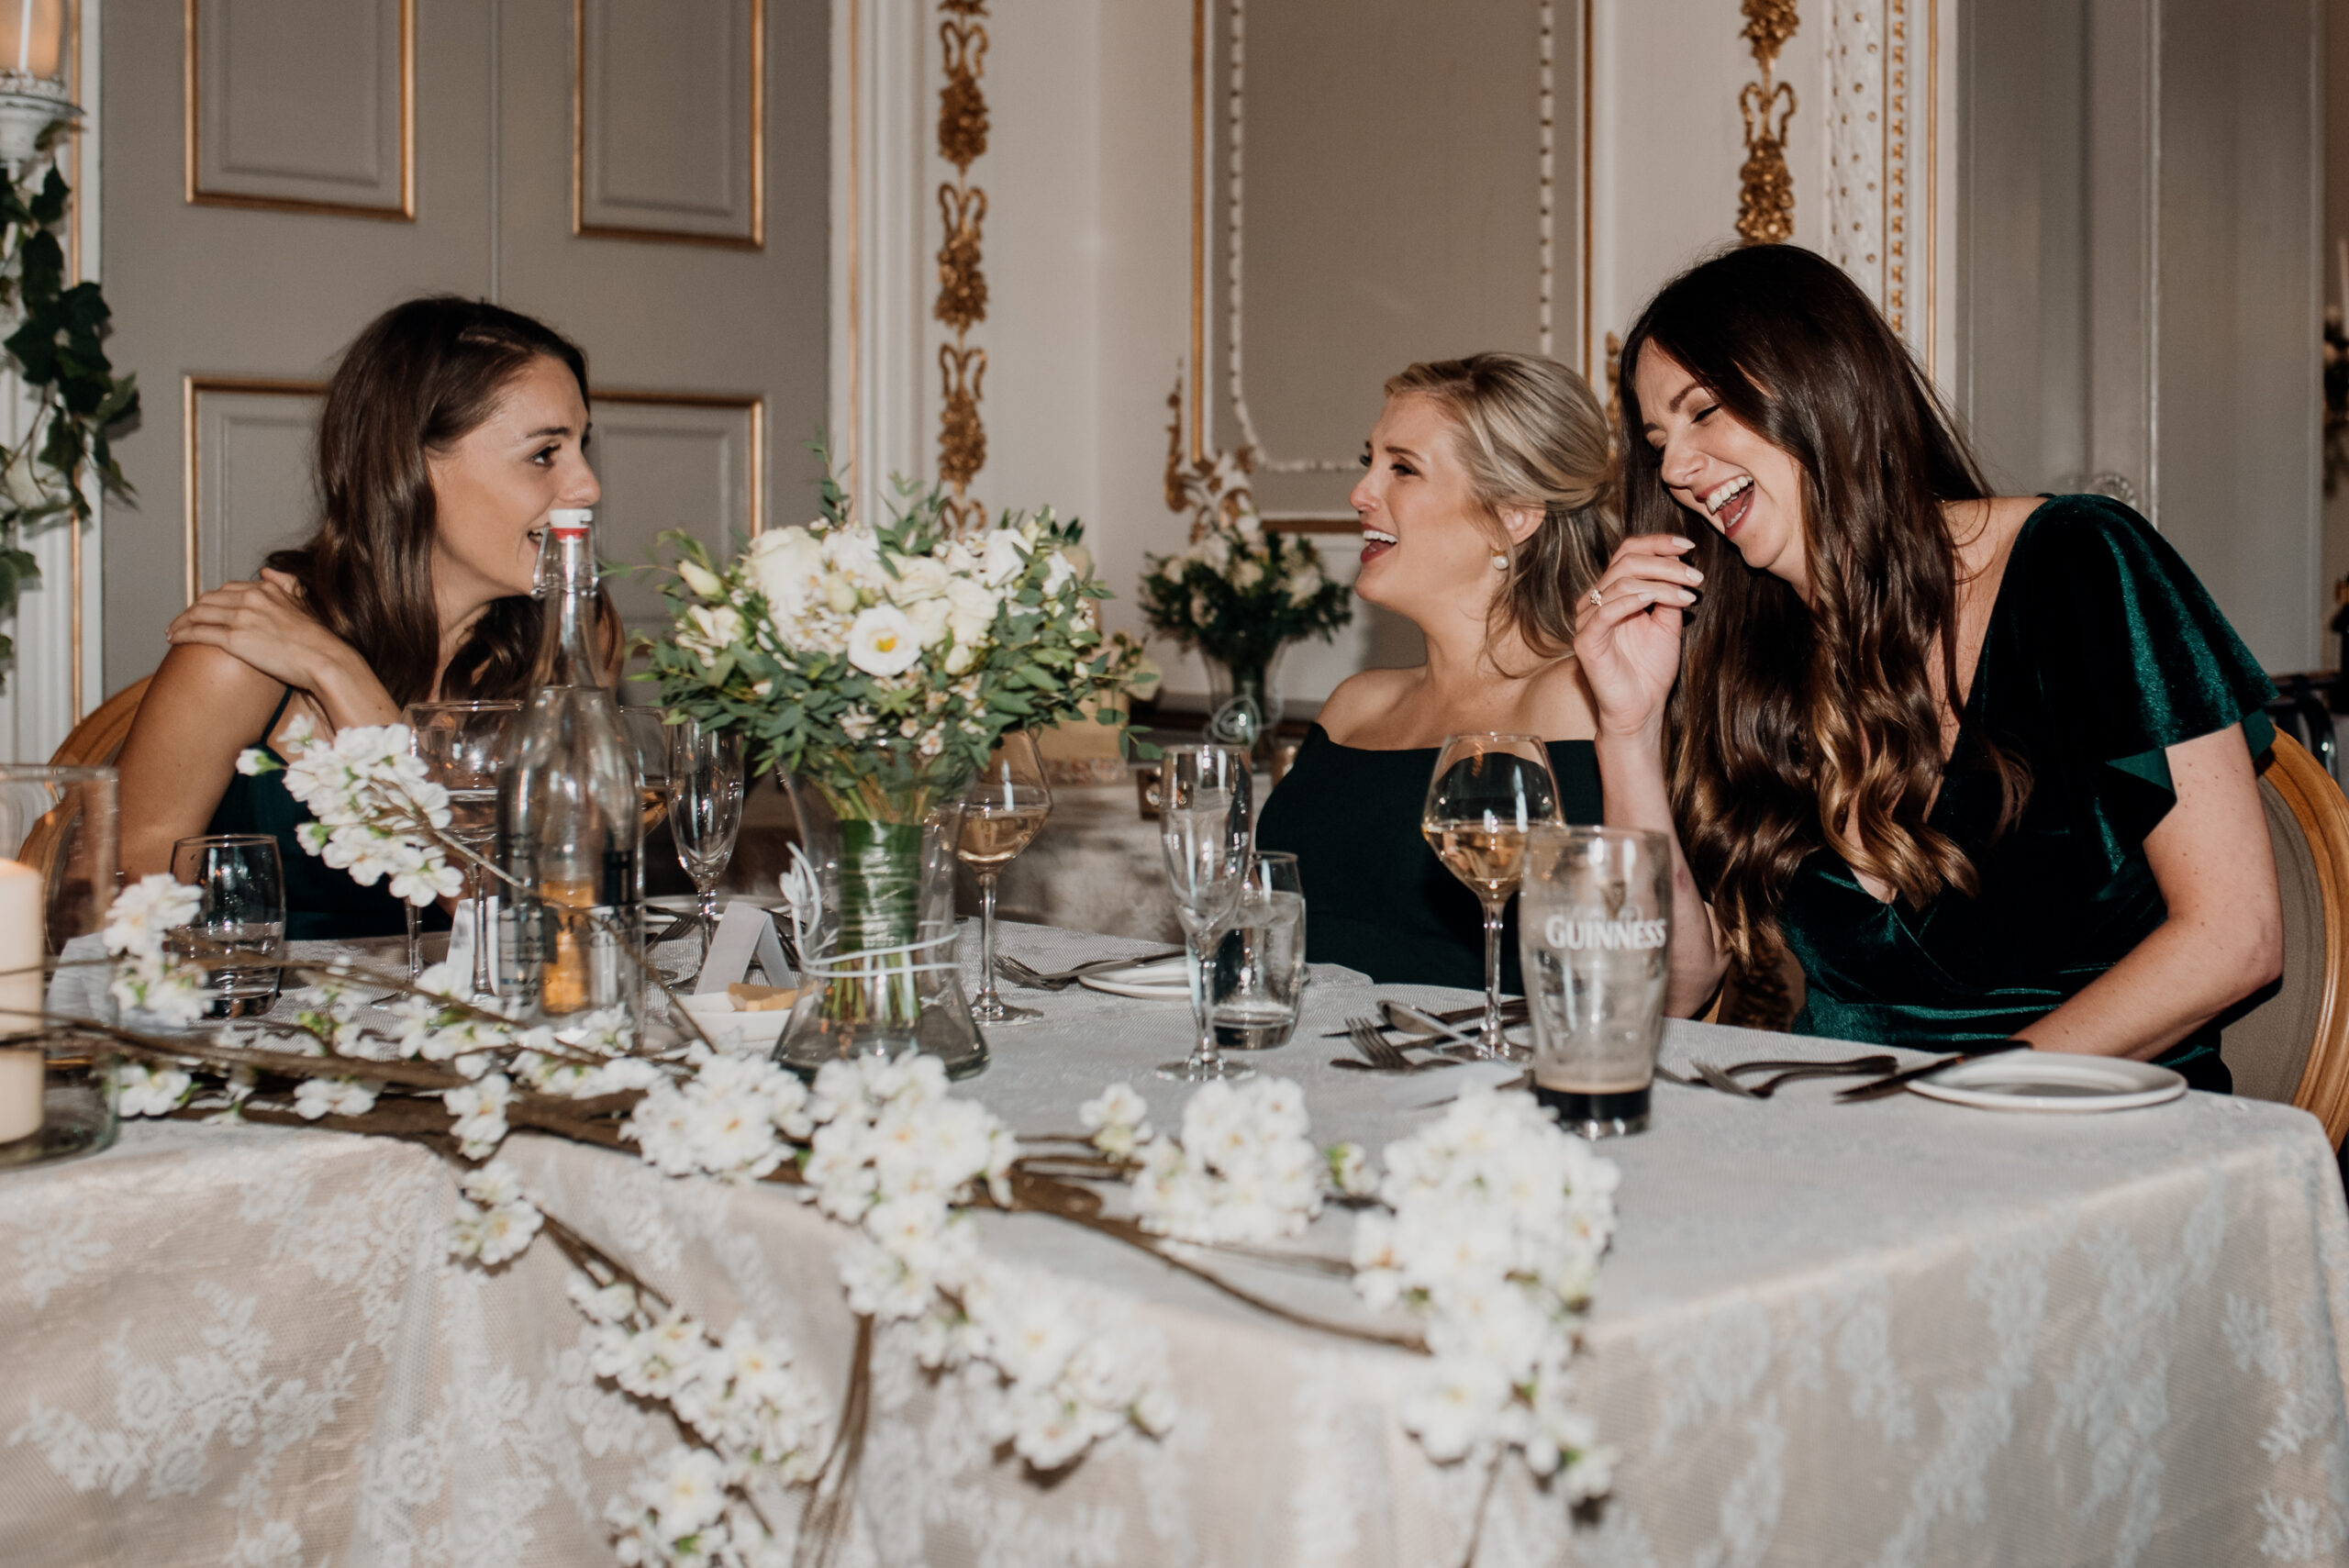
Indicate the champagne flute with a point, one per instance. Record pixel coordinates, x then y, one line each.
704 810
1002 814
1486 791
462 745
1203 825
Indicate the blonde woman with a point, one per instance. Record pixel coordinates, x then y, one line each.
1484 520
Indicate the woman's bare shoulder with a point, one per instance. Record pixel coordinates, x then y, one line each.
1360 697
202 690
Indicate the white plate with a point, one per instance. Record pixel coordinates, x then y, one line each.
2052 1081
1165 981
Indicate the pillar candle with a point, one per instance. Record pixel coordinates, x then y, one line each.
21 996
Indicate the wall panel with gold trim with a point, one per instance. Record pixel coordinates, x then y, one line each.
249 485
668 110
300 107
673 460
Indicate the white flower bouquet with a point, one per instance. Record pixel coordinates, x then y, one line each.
881 659
876 665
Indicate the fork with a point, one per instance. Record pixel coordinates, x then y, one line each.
1381 1055
1031 979
1788 1071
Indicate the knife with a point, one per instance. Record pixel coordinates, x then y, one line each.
1893 1083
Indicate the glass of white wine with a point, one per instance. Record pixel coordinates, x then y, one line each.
1002 814
1486 791
462 745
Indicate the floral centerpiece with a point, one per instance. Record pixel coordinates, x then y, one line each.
1239 594
875 665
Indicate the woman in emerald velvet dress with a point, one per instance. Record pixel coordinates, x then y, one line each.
1983 765
1484 515
451 428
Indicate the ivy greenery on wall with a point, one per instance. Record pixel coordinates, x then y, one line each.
55 345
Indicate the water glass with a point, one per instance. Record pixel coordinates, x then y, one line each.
1204 826
705 787
1593 931
239 932
462 745
1257 979
1487 792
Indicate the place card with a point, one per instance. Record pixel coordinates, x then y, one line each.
745 935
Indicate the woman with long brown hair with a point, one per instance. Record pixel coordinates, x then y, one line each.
1983 766
1485 510
450 429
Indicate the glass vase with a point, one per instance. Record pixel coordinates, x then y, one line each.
1257 680
878 971
57 1088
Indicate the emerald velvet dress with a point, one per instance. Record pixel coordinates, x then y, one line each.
1376 899
321 903
2103 650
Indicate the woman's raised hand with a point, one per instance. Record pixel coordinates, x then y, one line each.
265 625
1628 640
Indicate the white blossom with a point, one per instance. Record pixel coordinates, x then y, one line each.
316 1097
143 1088
478 1111
1244 1170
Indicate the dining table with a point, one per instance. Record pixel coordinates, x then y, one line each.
1896 1332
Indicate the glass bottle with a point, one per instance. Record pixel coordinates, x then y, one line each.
570 824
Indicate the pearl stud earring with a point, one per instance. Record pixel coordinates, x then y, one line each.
1500 561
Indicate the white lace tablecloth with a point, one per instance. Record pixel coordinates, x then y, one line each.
1897 1333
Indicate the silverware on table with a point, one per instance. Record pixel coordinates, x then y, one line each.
1893 1083
1031 979
1380 1055
1725 1079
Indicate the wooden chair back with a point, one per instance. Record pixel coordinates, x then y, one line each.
95 742
2291 1044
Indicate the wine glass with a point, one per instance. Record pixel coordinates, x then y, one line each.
1486 791
647 730
704 794
1002 814
462 745
1203 825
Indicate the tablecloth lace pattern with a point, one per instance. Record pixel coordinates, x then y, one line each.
1897 1335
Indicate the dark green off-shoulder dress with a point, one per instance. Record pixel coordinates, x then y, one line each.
1376 899
2103 650
321 903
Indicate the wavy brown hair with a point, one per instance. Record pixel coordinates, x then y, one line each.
421 378
1529 433
1800 726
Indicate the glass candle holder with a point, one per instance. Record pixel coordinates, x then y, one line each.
60 825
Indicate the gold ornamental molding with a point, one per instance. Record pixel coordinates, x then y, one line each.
1765 190
962 285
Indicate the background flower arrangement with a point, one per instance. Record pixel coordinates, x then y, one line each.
1240 591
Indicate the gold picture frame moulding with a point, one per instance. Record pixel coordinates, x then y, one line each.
753 404
191 103
192 389
757 238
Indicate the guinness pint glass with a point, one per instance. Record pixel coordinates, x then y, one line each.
1594 929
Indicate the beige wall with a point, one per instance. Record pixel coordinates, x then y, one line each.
237 291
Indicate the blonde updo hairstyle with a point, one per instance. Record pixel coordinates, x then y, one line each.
1529 433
